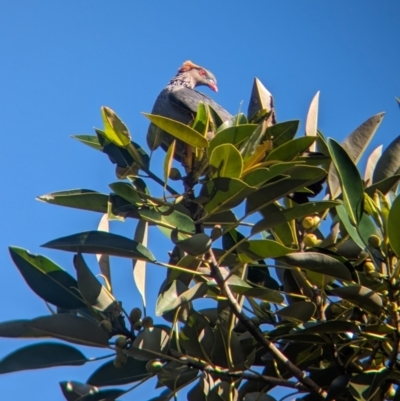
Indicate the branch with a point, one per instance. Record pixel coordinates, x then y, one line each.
258 334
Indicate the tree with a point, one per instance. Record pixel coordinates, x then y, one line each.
305 292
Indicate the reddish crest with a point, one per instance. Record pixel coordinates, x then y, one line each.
187 66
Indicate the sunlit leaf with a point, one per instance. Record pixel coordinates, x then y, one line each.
389 163
114 129
89 140
227 161
139 266
393 226
312 119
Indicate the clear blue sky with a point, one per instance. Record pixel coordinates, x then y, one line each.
60 61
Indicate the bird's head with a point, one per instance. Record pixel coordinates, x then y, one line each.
198 75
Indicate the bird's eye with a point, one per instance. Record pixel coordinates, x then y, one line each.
202 73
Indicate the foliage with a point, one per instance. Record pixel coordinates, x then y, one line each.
305 292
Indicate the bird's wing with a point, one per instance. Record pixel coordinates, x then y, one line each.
188 99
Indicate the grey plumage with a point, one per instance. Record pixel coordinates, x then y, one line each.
179 101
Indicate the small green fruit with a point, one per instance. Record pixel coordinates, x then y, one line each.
374 241
369 268
106 325
120 360
147 322
135 315
153 366
308 222
121 342
310 240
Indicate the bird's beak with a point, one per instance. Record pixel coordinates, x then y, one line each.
212 85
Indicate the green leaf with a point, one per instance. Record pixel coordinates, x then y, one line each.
355 145
149 344
352 185
101 242
140 266
18 329
351 230
239 119
290 150
109 375
164 217
298 312
249 148
89 140
43 355
383 186
371 163
127 191
115 130
334 326
253 250
169 158
47 279
196 245
297 177
202 119
75 391
227 161
312 119
71 328
319 263
84 199
178 294
90 288
180 131
283 132
364 386
393 226
174 375
224 193
363 297
234 135
389 163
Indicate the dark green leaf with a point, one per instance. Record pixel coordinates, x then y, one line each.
18 329
83 199
350 179
75 391
383 186
253 250
298 312
101 242
283 132
260 99
169 158
290 150
196 245
360 296
180 131
71 328
109 375
149 344
364 386
127 191
43 355
393 226
334 326
174 375
319 263
47 279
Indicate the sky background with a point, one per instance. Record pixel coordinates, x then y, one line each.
61 61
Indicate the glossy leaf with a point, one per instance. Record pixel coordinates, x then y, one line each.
101 242
127 191
75 391
283 132
180 131
149 344
90 288
169 158
227 161
108 375
234 135
298 177
196 245
84 199
202 119
352 185
355 145
47 279
319 263
298 312
114 129
289 150
89 140
253 250
42 355
71 328
393 226
363 297
224 193
389 163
